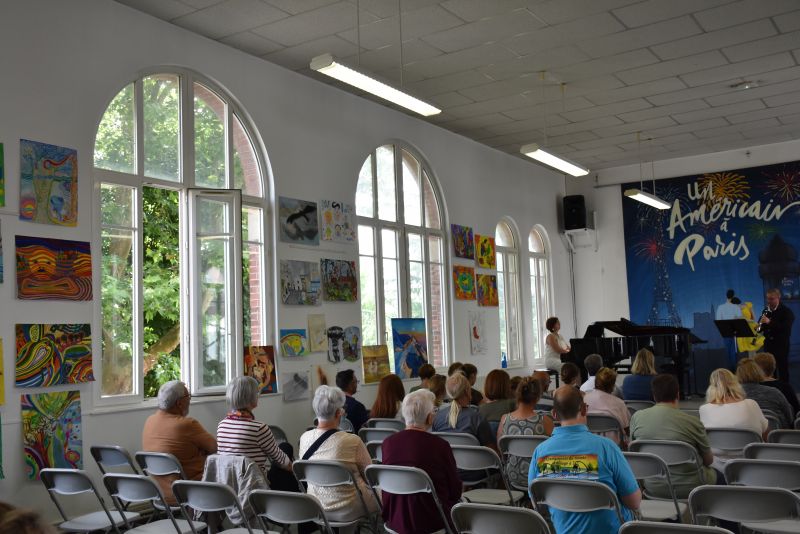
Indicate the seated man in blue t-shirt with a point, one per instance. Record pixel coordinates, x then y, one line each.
574 452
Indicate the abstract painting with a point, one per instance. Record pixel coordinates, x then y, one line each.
296 385
300 282
335 344
48 190
410 342
352 343
337 221
376 363
485 252
298 221
464 282
2 178
51 431
294 342
339 280
487 290
52 354
477 332
259 362
53 269
463 244
317 333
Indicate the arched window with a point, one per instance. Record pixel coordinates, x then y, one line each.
401 247
508 292
178 176
540 287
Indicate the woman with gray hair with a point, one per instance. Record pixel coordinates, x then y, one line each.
326 442
239 433
461 416
416 447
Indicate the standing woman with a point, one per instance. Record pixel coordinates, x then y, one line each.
554 345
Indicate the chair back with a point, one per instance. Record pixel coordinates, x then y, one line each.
602 423
287 508
797 423
375 434
470 518
279 434
575 495
127 489
646 466
322 473
772 451
637 405
731 439
207 497
159 463
653 527
787 437
385 422
74 482
767 473
375 450
743 504
520 445
773 423
112 457
674 453
458 438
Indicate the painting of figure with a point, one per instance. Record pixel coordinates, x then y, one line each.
375 359
300 282
335 344
298 221
259 362
485 252
464 282
477 334
337 221
48 189
352 343
53 269
339 280
410 342
487 290
52 431
52 354
463 244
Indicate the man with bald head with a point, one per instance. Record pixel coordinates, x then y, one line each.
573 452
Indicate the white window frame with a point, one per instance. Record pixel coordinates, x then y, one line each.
543 294
513 332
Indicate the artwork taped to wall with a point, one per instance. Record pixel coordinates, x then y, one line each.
375 359
477 332
463 243
48 190
294 342
53 269
464 282
295 385
335 344
485 252
259 362
300 282
352 343
337 221
339 280
298 221
410 342
52 431
2 178
487 290
317 333
52 354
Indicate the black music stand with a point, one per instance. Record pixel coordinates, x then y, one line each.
734 328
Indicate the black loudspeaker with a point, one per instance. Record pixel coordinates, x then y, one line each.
574 212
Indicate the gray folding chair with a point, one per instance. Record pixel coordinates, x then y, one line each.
402 480
651 527
676 454
385 422
645 467
772 451
458 438
773 422
572 495
131 489
471 458
692 412
375 450
787 437
287 508
519 446
375 434
209 497
159 464
797 423
603 424
112 457
731 440
471 518
637 405
279 434
773 510
767 473
66 482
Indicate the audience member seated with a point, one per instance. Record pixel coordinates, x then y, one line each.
461 416
239 432
341 503
766 361
21 521
416 447
750 376
426 372
603 460
389 397
665 421
497 388
471 372
515 380
524 421
554 345
571 375
455 367
728 407
543 377
602 400
436 386
636 385
356 412
593 363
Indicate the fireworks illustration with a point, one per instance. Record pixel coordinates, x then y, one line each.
785 184
760 231
651 248
724 185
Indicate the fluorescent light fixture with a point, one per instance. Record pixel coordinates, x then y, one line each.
534 151
326 64
647 198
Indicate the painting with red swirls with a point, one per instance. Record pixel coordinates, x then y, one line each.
52 431
51 354
53 269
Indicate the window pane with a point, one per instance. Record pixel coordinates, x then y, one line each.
500 261
501 295
364 193
369 314
366 240
503 236
212 216
252 277
246 172
435 249
512 308
535 308
215 320
414 247
436 319
251 224
391 296
416 287
431 207
161 104
389 243
117 204
387 201
209 138
114 147
535 242
412 201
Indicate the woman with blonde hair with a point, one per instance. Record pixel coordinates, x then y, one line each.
461 417
637 385
436 386
750 376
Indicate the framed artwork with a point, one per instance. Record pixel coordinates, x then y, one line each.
485 252
463 244
351 346
300 282
53 354
410 342
48 190
477 331
487 290
317 333
375 359
339 280
294 342
337 221
464 282
296 385
259 362
53 269
52 431
297 221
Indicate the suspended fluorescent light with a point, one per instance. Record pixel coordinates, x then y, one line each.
534 151
647 198
326 64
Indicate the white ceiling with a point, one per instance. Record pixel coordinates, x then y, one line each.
660 67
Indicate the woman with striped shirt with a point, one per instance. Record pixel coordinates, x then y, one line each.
239 433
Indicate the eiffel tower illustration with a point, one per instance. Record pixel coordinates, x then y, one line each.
663 311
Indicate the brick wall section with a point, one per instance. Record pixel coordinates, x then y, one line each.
436 347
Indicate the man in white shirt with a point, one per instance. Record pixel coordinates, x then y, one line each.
593 363
725 312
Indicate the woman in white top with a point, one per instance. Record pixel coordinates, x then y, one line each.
554 345
601 400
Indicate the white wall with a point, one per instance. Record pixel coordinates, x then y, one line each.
62 62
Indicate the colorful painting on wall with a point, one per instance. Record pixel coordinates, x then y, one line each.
339 280
53 269
296 385
300 282
335 344
317 333
51 431
298 221
294 342
376 363
464 282
410 342
48 190
2 177
259 362
352 343
487 290
485 252
337 221
477 332
52 354
463 244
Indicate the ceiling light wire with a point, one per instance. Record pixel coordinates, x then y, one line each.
358 32
400 27
544 112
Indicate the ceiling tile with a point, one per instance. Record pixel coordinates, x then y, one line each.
311 25
681 95
790 119
597 126
229 17
741 69
494 90
649 35
472 10
764 113
495 29
299 56
557 11
714 40
605 141
596 67
721 111
251 43
449 82
579 155
299 6
743 11
469 58
488 106
201 4
388 8
735 128
609 109
694 127
449 100
568 32
163 9
538 110
673 67
388 57
763 47
740 95
632 127
639 90
479 121
656 10
663 111
548 60
788 21
771 134
651 141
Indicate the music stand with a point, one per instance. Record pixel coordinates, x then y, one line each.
734 328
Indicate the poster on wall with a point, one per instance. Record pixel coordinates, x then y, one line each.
464 282
463 244
477 332
53 269
375 359
294 342
335 344
53 354
351 346
339 280
296 385
337 221
317 333
48 190
410 343
259 362
297 221
487 290
52 431
735 229
485 252
300 282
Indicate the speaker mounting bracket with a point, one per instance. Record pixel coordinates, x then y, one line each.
582 237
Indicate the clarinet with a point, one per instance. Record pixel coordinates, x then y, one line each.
766 312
